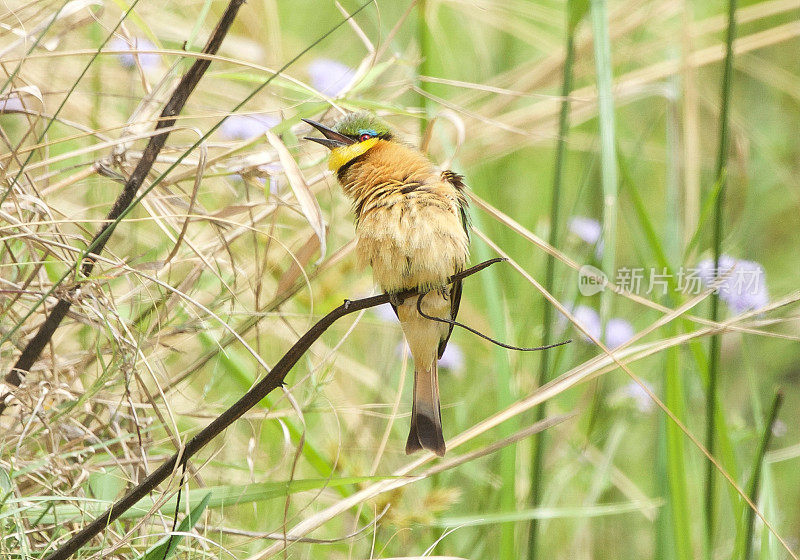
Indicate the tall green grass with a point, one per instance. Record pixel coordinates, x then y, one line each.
575 12
714 349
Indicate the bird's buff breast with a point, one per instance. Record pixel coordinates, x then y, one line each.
412 245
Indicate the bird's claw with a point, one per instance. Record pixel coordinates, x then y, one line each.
395 299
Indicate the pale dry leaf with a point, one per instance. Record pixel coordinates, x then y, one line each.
235 209
295 269
308 203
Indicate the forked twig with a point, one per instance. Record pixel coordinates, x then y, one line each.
273 380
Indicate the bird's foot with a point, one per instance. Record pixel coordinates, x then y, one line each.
395 299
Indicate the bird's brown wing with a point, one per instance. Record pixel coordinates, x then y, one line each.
457 181
455 301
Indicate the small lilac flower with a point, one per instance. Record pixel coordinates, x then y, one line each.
237 178
587 318
618 332
12 104
639 396
149 61
246 127
385 313
274 171
271 168
453 358
329 76
588 230
744 285
402 349
705 269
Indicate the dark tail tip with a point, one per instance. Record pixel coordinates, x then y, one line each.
425 434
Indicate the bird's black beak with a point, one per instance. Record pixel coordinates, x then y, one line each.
332 138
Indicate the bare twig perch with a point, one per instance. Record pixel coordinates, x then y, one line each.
272 381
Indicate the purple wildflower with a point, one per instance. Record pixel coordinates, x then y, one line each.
329 76
385 313
589 231
149 61
402 349
587 318
744 286
618 332
237 177
453 358
246 127
639 396
779 428
586 228
12 104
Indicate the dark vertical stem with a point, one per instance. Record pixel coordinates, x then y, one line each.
714 358
549 283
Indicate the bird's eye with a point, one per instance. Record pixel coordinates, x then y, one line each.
365 136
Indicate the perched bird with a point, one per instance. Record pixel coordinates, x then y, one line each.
412 228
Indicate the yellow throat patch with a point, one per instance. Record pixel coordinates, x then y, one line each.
345 154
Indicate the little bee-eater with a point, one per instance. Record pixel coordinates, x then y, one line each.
412 228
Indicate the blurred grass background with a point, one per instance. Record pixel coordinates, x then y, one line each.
222 245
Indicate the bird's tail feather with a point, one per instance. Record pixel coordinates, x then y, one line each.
426 421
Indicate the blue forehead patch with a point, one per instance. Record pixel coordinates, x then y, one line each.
369 131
